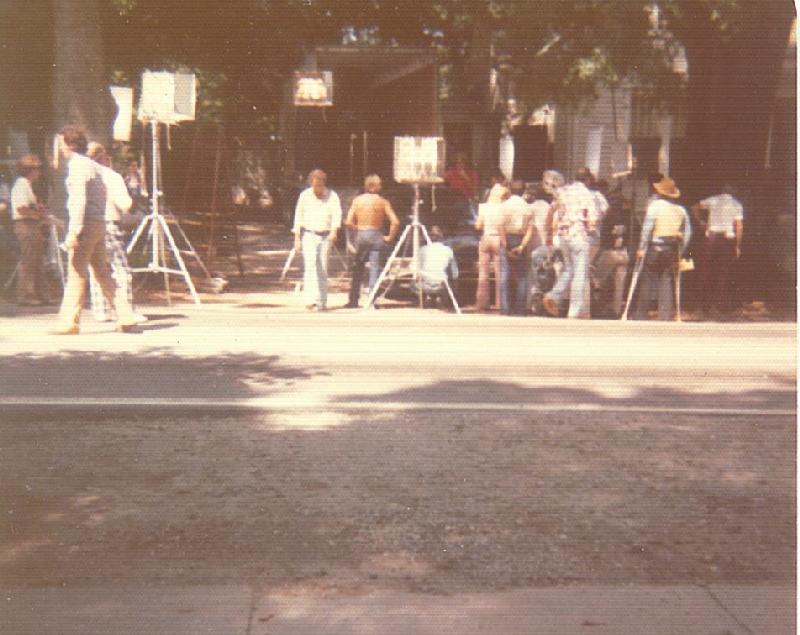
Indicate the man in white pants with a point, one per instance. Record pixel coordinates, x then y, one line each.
317 218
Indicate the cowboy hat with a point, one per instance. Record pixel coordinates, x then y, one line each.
666 187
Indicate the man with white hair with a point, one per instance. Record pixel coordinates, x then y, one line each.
575 218
317 218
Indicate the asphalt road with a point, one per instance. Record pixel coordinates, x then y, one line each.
396 451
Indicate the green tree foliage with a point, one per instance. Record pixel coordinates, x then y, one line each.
560 50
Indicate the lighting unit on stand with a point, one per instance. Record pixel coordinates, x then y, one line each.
167 98
417 161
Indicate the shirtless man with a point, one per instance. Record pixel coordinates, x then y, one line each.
366 218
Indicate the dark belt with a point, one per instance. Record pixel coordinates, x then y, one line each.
27 220
311 231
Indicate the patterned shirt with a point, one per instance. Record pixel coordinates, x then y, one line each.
575 211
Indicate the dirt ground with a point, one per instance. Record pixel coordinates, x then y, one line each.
434 502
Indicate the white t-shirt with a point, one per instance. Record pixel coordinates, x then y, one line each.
724 210
118 201
518 214
22 195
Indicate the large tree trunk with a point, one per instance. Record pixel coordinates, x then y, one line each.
80 82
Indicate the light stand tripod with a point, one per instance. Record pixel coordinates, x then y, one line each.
160 234
412 231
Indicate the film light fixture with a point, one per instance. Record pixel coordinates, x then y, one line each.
166 98
417 160
313 88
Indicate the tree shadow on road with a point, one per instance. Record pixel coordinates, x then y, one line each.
640 394
150 373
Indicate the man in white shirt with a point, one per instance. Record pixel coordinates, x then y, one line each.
118 202
722 246
317 218
28 214
85 240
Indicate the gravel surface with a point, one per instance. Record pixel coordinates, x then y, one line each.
432 502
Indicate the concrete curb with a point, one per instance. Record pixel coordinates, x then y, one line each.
569 610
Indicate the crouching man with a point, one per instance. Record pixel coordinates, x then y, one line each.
438 268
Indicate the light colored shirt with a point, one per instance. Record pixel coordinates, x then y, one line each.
601 203
575 210
518 214
437 262
723 212
22 195
665 220
317 214
493 217
118 201
86 192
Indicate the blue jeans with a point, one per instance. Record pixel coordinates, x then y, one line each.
315 268
369 246
519 268
574 275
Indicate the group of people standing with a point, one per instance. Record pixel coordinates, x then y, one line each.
520 230
97 196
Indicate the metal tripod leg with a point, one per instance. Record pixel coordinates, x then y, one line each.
191 249
138 233
389 262
634 280
678 290
181 264
288 264
11 279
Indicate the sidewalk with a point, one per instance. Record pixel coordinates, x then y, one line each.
567 610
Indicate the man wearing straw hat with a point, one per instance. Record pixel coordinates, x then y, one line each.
665 236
